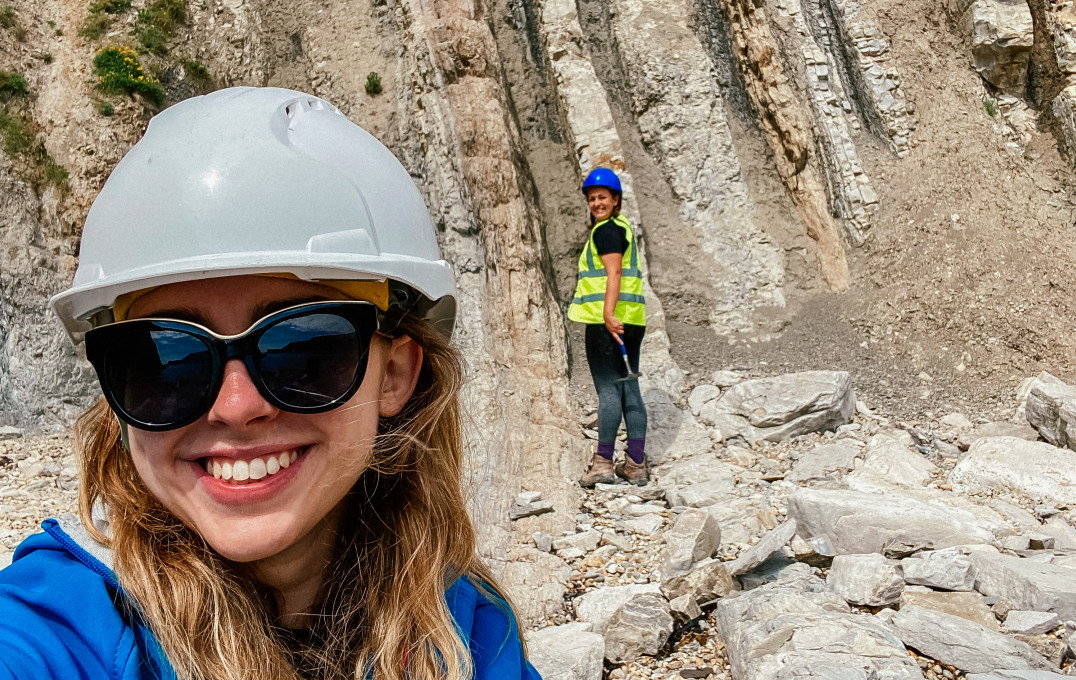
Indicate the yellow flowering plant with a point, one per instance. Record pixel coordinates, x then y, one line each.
118 70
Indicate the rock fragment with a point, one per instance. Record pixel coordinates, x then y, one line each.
942 570
1051 409
684 608
798 629
707 580
997 429
694 536
1034 470
1062 533
598 606
854 522
698 481
1000 34
958 642
1031 623
761 551
1017 675
583 540
970 606
784 406
825 462
529 504
1027 584
571 651
869 580
639 626
891 461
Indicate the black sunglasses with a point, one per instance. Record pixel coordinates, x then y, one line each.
161 374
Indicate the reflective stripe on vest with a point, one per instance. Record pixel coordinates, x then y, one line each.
588 305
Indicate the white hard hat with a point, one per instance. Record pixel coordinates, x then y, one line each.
256 181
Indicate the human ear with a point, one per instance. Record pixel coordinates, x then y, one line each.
398 381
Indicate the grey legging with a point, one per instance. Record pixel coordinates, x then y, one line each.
616 399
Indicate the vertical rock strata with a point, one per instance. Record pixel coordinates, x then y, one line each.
852 197
681 117
461 133
1061 24
883 104
785 123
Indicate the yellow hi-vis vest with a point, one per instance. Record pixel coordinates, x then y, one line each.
588 305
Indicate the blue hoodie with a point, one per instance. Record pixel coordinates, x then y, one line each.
63 616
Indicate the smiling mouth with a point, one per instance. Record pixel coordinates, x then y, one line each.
241 472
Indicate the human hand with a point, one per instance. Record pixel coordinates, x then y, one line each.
614 326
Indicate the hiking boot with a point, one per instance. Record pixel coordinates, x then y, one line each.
600 472
632 472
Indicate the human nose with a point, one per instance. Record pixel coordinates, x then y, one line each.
239 403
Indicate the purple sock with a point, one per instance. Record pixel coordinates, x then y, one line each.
635 450
606 450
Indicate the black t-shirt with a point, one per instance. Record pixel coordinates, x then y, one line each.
610 238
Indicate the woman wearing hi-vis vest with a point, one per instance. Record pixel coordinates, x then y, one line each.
609 300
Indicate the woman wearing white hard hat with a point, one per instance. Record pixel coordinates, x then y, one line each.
609 300
271 486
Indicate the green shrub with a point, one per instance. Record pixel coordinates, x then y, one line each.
104 108
110 6
15 137
58 32
196 69
45 57
157 24
12 82
96 26
55 173
18 142
118 70
991 107
51 23
373 84
7 16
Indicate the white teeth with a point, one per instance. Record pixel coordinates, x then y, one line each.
253 469
257 468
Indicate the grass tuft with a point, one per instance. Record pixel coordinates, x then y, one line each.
110 6
15 137
8 16
373 84
991 107
102 14
96 26
157 24
18 141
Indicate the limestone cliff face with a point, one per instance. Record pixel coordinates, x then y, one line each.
773 151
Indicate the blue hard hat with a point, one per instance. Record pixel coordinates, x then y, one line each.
602 177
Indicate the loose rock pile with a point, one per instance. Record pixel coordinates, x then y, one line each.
875 549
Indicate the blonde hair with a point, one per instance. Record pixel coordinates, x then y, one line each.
405 537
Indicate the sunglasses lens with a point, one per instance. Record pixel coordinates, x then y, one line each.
159 377
311 361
